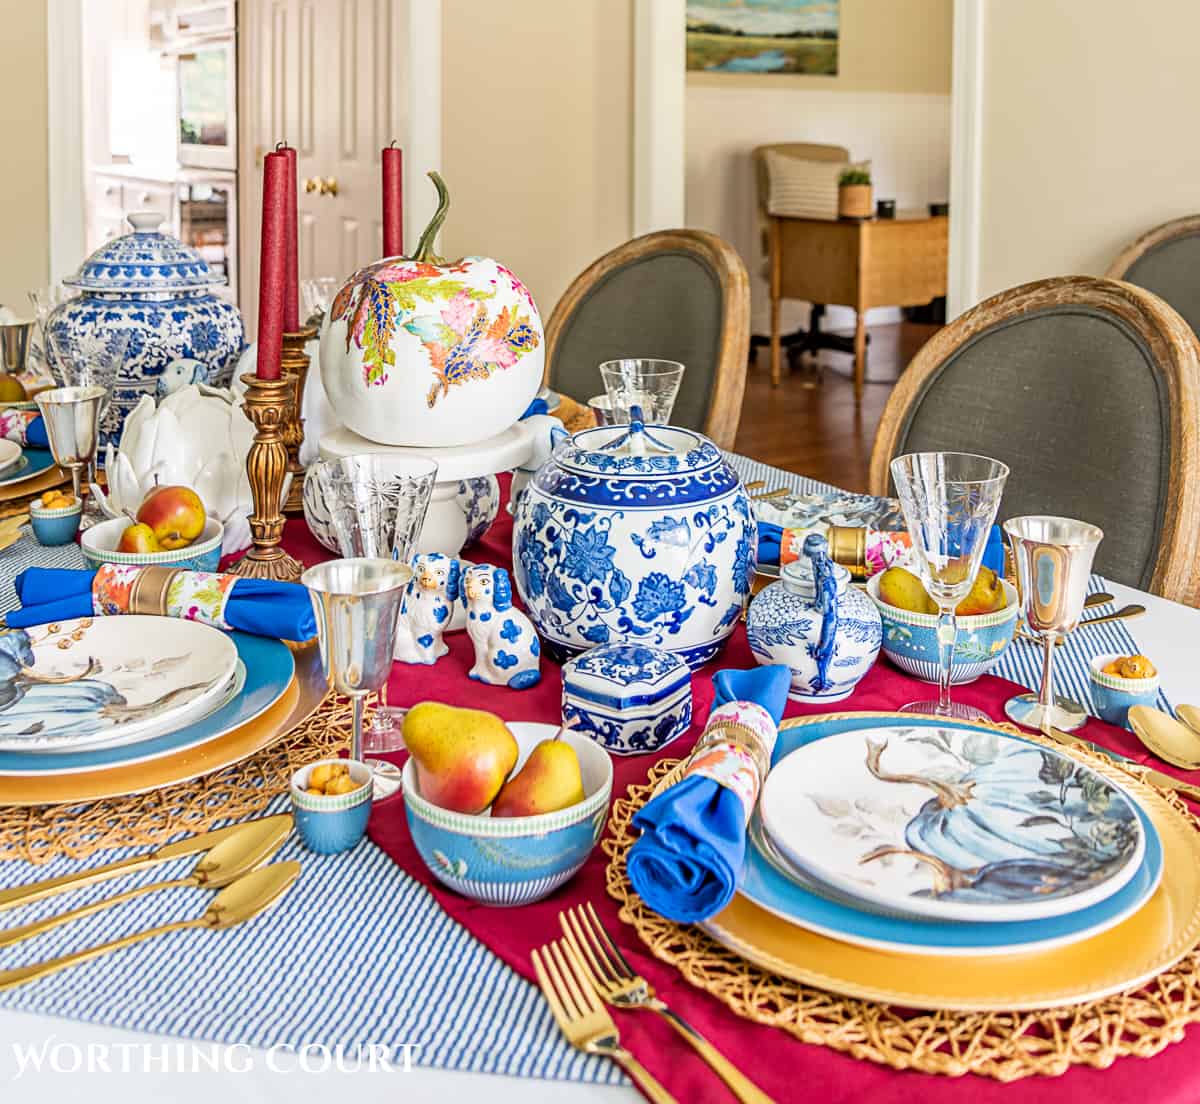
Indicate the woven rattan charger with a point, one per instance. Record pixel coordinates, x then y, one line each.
1006 1046
209 791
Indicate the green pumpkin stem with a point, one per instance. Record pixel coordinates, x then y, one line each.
424 252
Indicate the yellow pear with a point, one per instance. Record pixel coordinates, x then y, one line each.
902 589
462 756
550 780
986 594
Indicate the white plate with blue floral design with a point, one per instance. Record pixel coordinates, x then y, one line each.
107 680
953 824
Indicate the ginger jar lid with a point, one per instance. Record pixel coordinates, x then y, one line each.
638 451
144 260
626 676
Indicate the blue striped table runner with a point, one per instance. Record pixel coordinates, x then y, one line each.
358 953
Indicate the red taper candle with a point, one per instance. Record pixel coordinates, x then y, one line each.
272 263
291 260
393 201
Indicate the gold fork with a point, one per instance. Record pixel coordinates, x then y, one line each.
615 980
582 1018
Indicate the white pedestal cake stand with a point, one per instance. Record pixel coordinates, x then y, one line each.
445 525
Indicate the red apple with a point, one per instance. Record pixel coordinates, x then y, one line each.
175 514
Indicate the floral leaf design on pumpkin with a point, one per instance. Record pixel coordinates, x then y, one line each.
463 345
375 298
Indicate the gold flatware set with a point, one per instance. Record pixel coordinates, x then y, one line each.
231 861
585 970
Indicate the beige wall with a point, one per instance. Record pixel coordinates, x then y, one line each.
890 104
1088 134
537 134
24 207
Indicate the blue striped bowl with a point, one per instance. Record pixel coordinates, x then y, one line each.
513 860
910 639
328 825
99 546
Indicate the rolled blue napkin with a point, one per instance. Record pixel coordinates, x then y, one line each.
257 606
35 434
770 536
688 861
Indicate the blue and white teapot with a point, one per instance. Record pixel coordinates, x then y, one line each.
635 534
814 622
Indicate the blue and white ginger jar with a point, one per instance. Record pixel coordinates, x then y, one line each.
635 534
816 623
629 698
153 287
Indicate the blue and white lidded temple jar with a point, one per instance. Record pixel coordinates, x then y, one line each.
160 292
816 623
635 534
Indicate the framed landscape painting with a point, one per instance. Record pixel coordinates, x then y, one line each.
763 36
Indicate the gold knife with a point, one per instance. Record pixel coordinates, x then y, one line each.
1159 778
23 895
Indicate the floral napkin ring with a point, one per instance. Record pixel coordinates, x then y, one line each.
735 750
14 425
165 591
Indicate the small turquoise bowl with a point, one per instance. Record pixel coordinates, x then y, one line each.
910 639
99 546
56 525
1115 696
513 860
329 825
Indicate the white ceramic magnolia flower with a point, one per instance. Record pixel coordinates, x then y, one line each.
198 437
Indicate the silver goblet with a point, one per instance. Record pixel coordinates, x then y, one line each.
356 603
72 419
1054 557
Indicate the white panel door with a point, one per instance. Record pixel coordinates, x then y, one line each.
324 76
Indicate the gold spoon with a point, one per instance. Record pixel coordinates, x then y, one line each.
1123 614
1166 737
1190 715
228 861
247 897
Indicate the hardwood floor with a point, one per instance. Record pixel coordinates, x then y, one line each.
814 428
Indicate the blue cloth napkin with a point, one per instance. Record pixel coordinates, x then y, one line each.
35 434
688 861
257 606
770 537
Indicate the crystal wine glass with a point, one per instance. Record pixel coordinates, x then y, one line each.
650 384
90 358
1054 557
949 501
45 300
316 296
376 503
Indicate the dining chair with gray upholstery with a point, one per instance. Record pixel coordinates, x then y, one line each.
673 295
1089 389
1166 261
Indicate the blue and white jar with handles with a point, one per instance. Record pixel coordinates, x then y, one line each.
635 534
814 622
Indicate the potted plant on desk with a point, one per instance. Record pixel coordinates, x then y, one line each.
854 193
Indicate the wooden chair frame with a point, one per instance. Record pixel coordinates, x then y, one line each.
1175 350
1168 231
725 401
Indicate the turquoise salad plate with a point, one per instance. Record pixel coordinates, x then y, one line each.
264 672
790 890
32 462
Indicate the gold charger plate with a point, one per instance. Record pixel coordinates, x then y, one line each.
1122 958
301 699
34 485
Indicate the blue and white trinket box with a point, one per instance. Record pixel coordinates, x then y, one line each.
629 698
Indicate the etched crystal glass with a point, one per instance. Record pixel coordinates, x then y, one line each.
651 384
949 501
376 503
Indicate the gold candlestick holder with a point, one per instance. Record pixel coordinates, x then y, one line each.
294 365
267 404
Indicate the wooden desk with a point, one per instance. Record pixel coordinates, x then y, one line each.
858 263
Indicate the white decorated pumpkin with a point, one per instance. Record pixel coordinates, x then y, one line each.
425 352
